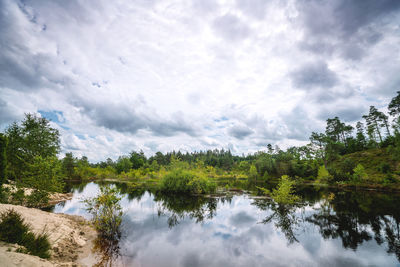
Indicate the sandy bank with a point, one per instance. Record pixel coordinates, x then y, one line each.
70 236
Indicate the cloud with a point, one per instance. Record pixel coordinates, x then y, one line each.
231 28
253 8
315 74
239 132
348 27
161 76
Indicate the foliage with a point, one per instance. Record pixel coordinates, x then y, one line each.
284 194
106 212
13 229
3 159
69 164
323 175
359 174
37 199
123 165
186 181
384 167
32 138
44 174
253 172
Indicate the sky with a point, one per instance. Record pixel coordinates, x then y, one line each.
152 75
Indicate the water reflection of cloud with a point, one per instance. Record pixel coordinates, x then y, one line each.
233 237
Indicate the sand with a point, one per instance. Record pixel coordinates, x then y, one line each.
70 237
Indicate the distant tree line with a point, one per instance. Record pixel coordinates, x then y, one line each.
28 153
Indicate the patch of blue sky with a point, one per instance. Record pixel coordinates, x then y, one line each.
54 115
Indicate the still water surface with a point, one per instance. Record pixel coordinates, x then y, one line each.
328 228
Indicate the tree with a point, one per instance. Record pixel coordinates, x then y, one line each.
138 159
68 165
34 137
394 105
3 159
319 143
374 122
360 137
123 164
43 174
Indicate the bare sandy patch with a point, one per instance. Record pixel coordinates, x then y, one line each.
70 236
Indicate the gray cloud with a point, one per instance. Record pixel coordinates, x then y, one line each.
91 62
254 8
22 67
231 28
315 74
242 218
239 132
122 118
350 27
349 113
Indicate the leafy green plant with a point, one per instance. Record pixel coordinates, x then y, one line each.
359 174
284 193
323 175
106 212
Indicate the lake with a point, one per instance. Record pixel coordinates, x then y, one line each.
327 228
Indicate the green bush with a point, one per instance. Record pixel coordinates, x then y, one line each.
37 199
185 181
323 175
13 229
384 167
107 212
389 179
359 174
18 197
37 245
284 194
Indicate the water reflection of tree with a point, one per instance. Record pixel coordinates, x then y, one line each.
177 207
284 216
107 251
351 215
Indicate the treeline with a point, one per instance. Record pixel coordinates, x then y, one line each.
28 155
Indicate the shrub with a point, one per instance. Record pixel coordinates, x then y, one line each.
37 199
18 197
107 212
284 194
323 175
384 167
389 179
185 181
359 173
348 166
37 245
13 229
